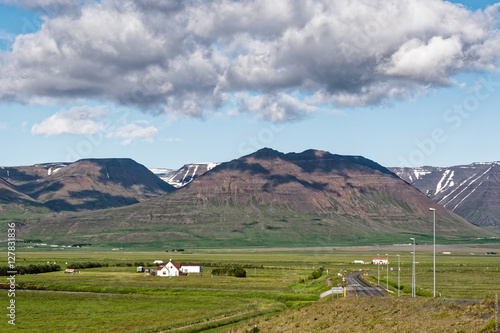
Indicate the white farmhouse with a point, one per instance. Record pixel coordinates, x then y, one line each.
380 261
169 269
173 268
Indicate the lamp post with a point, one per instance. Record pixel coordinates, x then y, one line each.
387 285
378 268
398 273
433 210
413 282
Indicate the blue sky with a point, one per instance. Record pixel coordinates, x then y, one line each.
100 80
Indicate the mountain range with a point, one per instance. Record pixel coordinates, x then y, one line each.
472 191
83 185
267 198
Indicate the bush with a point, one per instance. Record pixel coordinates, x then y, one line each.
230 270
316 274
31 269
239 272
86 264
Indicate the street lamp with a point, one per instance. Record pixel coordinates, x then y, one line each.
387 271
378 268
413 282
433 210
398 273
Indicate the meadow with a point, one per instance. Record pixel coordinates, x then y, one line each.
118 299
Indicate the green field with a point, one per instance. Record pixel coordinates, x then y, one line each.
118 299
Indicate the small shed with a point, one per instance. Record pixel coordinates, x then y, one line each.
140 269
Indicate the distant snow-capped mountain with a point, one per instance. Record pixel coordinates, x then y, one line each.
472 191
183 176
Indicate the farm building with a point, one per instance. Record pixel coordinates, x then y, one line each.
173 268
358 262
380 261
191 268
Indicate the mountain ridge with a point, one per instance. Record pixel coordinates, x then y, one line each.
269 198
472 191
86 184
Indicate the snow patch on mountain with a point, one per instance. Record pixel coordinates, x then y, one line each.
185 175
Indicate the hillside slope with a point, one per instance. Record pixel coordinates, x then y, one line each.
272 199
381 314
472 191
86 184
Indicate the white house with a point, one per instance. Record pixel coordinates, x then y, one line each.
380 261
173 268
169 269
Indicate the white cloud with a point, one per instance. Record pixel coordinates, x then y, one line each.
191 58
77 120
172 140
132 132
429 62
279 107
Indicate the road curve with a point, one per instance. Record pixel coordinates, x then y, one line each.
360 287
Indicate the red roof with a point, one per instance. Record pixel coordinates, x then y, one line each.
176 264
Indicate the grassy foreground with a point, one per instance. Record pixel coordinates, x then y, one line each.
115 298
386 314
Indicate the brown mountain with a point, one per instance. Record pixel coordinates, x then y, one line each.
10 194
273 199
87 184
15 203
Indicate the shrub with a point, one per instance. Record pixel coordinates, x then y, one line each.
239 272
230 270
316 274
31 269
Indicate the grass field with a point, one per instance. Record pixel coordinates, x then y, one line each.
118 299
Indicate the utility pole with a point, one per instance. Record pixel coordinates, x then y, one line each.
398 273
387 287
496 314
413 282
378 269
433 210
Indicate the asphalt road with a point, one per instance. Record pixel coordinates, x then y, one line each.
360 287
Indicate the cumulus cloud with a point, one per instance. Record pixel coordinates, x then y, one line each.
278 107
132 132
48 8
77 120
192 58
